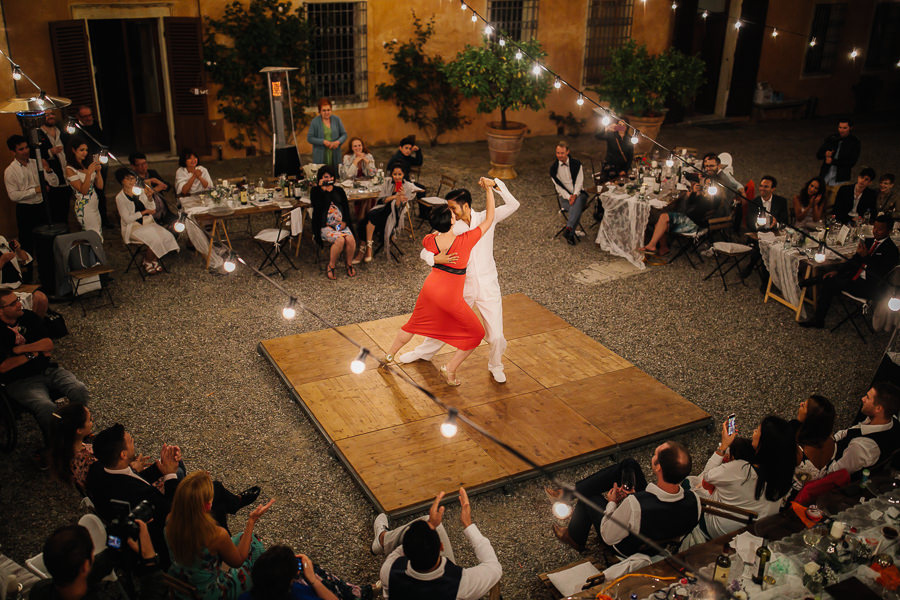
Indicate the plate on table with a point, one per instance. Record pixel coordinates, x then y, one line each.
220 211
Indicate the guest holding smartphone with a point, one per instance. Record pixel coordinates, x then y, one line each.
332 220
84 175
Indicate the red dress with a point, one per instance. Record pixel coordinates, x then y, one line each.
440 312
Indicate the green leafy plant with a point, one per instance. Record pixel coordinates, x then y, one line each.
420 87
499 80
262 33
568 122
640 84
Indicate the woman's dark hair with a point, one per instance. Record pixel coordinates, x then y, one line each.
819 423
72 146
461 196
775 458
273 573
742 449
396 164
804 193
441 218
326 169
69 419
186 154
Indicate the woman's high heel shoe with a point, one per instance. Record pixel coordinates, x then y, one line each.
446 375
369 246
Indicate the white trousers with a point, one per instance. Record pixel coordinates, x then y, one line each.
492 314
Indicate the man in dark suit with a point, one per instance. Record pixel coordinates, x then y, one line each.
774 210
838 153
863 275
113 478
855 200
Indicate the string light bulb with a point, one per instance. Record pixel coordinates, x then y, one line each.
463 6
488 30
812 42
518 55
705 15
17 73
670 162
738 24
70 125
761 219
580 101
820 253
359 363
557 84
474 18
561 510
712 190
449 426
502 42
853 54
894 303
104 156
674 6
229 265
138 187
606 120
179 224
290 309
634 137
536 69
774 32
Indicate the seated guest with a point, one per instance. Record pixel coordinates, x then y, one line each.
755 479
191 178
358 162
815 439
887 203
855 200
726 186
71 456
408 155
332 220
138 226
809 204
774 210
877 437
384 216
32 380
76 568
619 150
687 216
660 511
12 260
420 561
568 179
157 188
278 576
863 275
199 545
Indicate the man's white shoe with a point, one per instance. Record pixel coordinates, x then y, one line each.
408 357
499 375
381 525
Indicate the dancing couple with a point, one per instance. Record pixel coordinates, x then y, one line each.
461 252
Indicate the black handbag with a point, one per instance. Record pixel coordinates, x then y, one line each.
55 324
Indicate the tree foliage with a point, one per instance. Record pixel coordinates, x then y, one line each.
499 80
262 33
641 84
420 87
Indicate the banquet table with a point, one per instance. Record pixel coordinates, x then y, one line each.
621 232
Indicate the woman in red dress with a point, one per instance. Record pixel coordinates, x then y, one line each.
440 312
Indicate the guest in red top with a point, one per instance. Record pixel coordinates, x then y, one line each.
440 311
394 195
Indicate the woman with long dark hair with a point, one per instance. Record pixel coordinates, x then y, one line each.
815 441
83 175
191 177
332 220
809 204
757 479
71 456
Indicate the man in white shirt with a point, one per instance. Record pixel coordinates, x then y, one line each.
877 437
23 188
481 290
660 511
420 561
568 179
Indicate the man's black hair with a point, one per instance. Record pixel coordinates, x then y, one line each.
109 444
136 156
461 196
770 178
868 172
422 546
675 462
14 140
65 552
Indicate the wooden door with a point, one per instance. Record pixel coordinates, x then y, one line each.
184 55
145 84
72 62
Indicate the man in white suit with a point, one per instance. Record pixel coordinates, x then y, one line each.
482 290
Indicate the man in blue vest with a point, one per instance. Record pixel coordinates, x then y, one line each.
420 562
660 511
568 179
876 438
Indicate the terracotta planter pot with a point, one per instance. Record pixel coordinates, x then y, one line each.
650 127
504 146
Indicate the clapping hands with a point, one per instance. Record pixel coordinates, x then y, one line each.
436 512
169 458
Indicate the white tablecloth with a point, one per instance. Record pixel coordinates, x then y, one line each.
622 230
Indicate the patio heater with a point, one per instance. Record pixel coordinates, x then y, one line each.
30 113
285 156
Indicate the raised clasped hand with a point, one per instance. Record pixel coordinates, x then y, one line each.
436 512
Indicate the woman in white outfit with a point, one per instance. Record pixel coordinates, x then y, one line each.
83 174
138 226
191 178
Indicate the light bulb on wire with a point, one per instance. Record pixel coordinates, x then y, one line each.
674 6
812 42
536 69
449 426
738 24
820 253
488 30
761 219
179 224
894 303
138 187
359 363
580 100
229 265
502 42
634 137
705 15
853 54
17 73
557 84
104 156
670 162
606 120
463 6
474 18
561 509
290 309
70 125
712 190
518 55
774 32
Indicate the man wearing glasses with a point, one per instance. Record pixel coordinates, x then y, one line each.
32 380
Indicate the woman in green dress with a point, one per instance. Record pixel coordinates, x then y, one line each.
326 134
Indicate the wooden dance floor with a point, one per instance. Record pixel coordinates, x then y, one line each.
568 399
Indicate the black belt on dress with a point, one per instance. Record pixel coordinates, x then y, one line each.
450 269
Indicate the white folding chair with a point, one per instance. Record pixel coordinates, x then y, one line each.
36 565
272 240
727 163
98 536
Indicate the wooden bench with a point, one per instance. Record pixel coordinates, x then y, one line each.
799 107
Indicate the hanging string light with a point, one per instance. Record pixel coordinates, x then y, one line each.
705 15
606 120
359 363
712 190
474 18
17 72
674 6
556 83
536 69
463 6
738 24
894 303
774 32
502 42
812 42
229 265
449 426
853 54
180 223
70 125
104 156
670 162
820 253
635 137
138 187
488 30
290 309
761 219
580 100
518 55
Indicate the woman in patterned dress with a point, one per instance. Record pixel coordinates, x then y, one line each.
198 545
332 221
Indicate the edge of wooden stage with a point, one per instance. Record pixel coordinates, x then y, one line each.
568 400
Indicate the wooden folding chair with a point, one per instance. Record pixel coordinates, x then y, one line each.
272 240
179 589
426 204
78 276
727 254
728 511
135 251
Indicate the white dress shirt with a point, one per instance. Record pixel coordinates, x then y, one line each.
861 452
481 270
21 182
475 582
128 471
564 174
735 484
629 513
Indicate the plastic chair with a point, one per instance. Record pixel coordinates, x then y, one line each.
36 565
98 536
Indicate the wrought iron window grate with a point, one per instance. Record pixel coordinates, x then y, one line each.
518 18
338 63
608 27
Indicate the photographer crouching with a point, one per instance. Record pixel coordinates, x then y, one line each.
77 571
